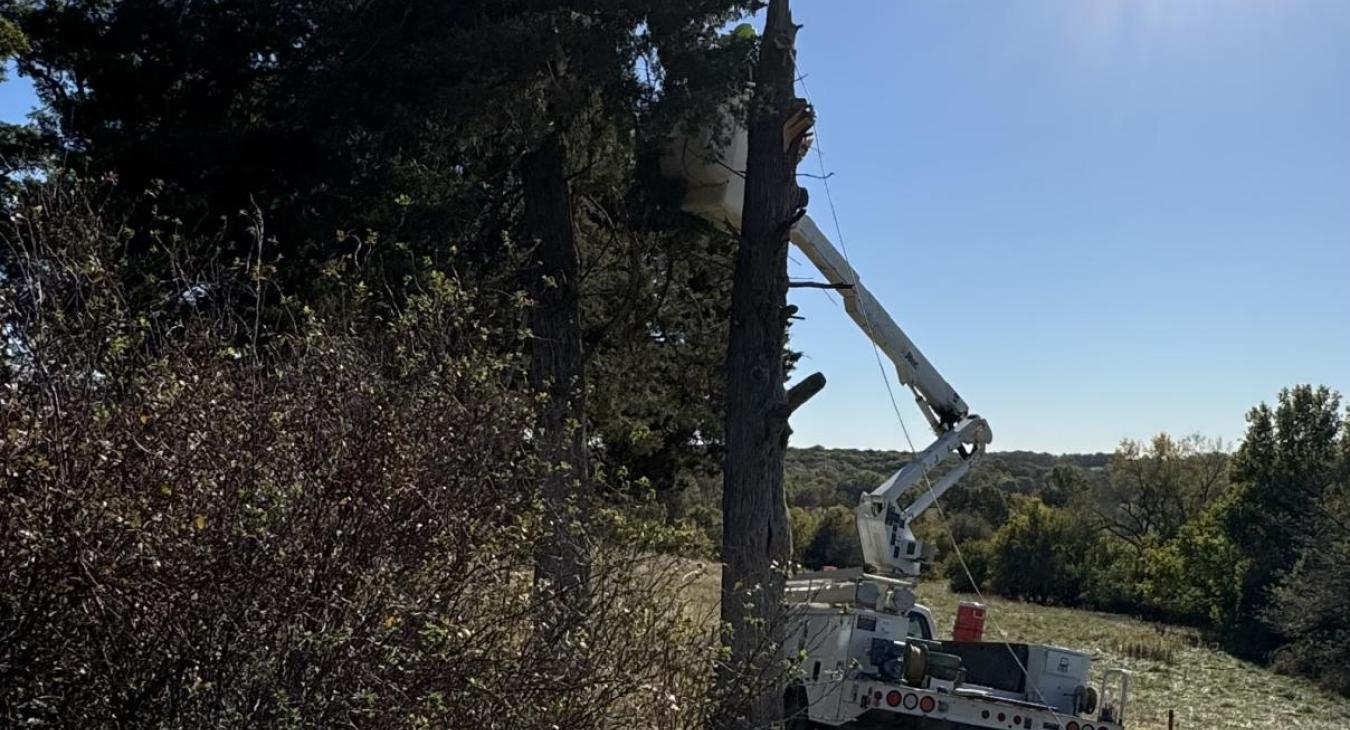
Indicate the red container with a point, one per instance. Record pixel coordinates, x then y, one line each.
969 622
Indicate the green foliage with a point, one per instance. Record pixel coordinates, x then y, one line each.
12 43
805 523
1162 551
1037 554
330 528
1289 465
391 132
630 523
1309 604
1311 607
22 146
978 555
1157 487
23 149
835 542
1111 567
819 477
1196 574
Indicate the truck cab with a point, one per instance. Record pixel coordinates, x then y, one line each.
921 623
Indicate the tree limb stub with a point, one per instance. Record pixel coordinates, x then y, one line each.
803 391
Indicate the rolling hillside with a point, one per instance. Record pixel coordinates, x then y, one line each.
820 477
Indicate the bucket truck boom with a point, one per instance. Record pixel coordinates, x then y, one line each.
868 653
716 192
883 523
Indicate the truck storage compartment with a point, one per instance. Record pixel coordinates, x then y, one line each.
991 664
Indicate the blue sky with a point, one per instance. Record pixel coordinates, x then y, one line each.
1098 219
16 96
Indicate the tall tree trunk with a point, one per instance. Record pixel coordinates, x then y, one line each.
556 370
756 543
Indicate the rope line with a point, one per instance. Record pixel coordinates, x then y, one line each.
895 406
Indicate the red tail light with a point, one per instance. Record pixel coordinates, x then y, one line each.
892 698
927 704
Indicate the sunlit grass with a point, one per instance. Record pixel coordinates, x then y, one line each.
1172 668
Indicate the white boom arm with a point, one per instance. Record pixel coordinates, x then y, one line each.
716 192
938 401
883 525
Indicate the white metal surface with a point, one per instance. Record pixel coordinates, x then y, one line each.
868 699
715 180
715 192
839 613
842 688
915 371
883 524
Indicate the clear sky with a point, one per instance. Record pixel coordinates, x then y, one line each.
1098 219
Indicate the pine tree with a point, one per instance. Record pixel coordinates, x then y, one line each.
1288 461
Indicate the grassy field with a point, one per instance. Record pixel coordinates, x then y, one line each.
1172 668
1206 688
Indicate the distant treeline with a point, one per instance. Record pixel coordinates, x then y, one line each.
1251 543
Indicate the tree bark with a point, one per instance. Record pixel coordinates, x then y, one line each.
756 542
557 372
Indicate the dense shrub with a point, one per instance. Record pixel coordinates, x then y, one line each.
1194 576
977 556
835 542
1038 554
1287 509
1111 574
1312 608
804 524
207 525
